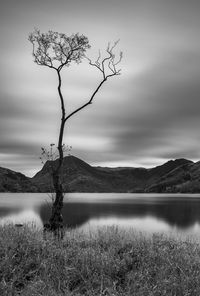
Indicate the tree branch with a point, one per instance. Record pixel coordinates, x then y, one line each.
56 50
88 103
111 71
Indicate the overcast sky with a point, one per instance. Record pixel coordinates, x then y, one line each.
144 117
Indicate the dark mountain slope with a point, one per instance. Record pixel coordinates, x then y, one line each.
175 172
178 175
81 177
169 166
11 181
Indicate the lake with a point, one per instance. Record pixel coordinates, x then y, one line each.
143 212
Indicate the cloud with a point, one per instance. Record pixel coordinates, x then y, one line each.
167 114
148 114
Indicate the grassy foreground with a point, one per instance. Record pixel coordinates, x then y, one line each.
107 262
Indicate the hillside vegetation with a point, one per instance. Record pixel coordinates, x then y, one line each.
180 175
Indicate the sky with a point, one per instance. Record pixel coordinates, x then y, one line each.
143 117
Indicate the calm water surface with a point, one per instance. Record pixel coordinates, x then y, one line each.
143 212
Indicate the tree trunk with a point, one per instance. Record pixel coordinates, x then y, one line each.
56 219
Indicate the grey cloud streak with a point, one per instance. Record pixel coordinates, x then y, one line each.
162 118
148 115
170 114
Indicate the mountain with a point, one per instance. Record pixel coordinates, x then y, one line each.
169 175
78 176
11 181
81 177
180 175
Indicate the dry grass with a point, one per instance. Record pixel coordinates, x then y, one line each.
107 262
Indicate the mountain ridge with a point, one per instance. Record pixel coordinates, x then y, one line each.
179 175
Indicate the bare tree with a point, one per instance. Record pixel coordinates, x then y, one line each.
57 50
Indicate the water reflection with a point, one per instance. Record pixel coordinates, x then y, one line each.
144 212
182 214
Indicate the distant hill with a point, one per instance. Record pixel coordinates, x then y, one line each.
78 176
11 181
180 175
